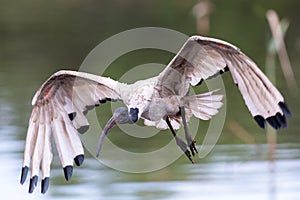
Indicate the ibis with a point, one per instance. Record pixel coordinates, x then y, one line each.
62 102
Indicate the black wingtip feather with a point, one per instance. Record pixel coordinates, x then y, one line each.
83 129
200 82
33 183
285 109
102 101
260 121
274 122
226 69
90 107
45 185
72 115
79 159
85 112
68 171
24 174
282 120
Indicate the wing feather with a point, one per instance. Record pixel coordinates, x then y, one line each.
39 143
70 131
203 106
31 136
47 154
60 137
47 157
162 125
202 58
59 109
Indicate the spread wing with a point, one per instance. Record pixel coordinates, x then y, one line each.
202 58
59 108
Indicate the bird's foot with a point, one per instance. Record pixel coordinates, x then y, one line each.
193 148
183 146
191 142
188 154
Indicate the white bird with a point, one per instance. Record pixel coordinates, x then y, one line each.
61 103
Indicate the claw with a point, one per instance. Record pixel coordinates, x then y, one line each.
188 154
183 146
188 136
193 148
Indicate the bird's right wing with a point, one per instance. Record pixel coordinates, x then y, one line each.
202 58
59 108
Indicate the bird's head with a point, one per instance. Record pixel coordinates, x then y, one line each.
134 114
121 115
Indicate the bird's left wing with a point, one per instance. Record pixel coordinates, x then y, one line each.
202 58
59 108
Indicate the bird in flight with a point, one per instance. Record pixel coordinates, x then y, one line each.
62 102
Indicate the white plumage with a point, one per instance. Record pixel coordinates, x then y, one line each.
61 103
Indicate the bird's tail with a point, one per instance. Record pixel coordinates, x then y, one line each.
203 106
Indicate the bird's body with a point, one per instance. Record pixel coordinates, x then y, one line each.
139 94
61 103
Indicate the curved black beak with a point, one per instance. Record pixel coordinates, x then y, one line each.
110 124
120 116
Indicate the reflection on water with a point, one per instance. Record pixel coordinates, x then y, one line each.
229 172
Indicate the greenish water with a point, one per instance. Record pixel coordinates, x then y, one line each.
38 38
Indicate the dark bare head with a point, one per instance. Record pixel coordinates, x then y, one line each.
121 116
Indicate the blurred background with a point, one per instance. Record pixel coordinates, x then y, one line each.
38 38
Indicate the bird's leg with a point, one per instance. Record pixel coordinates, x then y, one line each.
190 141
179 141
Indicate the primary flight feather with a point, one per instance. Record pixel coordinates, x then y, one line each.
61 103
